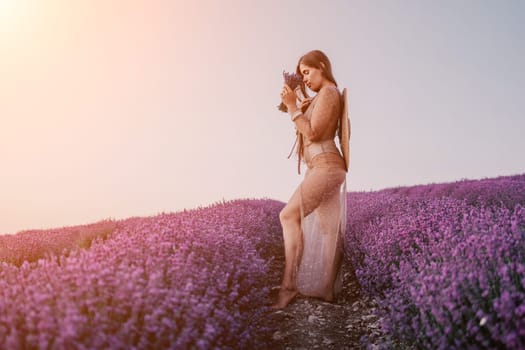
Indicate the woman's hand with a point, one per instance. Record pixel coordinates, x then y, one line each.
288 97
305 103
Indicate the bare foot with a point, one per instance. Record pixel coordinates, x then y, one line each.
327 296
285 297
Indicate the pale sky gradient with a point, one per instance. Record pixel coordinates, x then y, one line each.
112 109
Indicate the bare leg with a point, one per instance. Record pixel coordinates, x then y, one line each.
293 251
290 218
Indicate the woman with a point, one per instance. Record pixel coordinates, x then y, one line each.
313 220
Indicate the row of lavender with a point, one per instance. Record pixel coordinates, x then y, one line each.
193 279
31 245
446 262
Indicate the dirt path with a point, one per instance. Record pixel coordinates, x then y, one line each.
310 323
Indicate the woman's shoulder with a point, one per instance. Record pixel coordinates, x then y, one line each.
329 92
329 89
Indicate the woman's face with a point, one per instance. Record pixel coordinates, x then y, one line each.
312 77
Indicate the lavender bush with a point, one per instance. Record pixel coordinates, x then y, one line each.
447 265
194 279
31 245
504 191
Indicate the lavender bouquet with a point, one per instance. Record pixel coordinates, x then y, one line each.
295 82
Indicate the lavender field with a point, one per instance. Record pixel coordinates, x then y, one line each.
445 262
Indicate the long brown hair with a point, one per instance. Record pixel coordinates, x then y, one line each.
317 59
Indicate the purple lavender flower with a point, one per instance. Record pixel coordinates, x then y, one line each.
293 80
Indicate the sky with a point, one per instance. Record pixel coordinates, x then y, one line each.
113 109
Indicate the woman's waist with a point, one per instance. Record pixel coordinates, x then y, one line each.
326 160
314 148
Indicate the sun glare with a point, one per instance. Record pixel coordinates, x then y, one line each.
17 18
7 6
14 12
8 12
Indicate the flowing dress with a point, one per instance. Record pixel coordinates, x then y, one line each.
322 196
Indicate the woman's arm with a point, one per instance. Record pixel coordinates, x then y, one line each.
325 109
